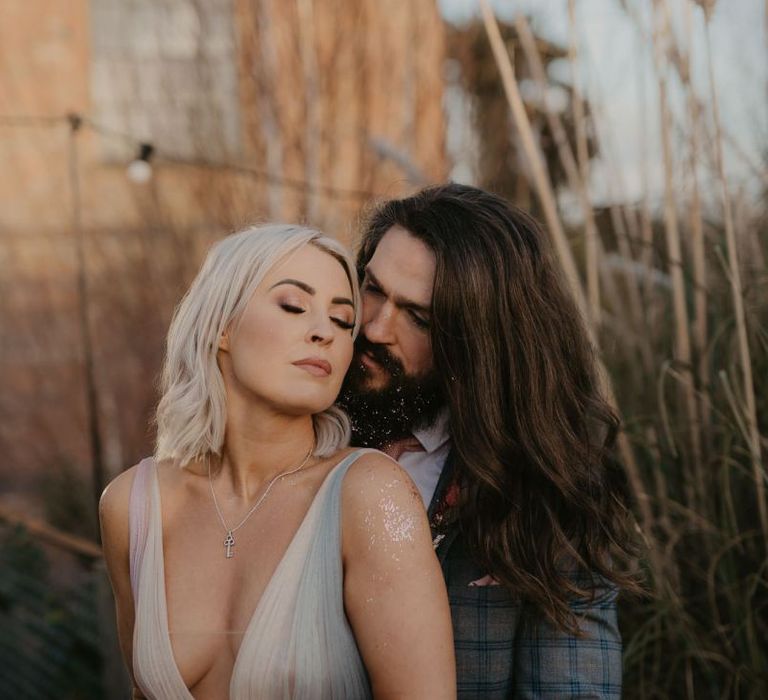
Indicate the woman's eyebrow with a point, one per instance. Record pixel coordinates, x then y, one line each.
311 291
296 283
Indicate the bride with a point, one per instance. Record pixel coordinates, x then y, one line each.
256 555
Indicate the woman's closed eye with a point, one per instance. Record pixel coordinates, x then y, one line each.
340 322
291 309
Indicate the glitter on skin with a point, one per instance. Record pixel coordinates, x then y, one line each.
398 525
369 523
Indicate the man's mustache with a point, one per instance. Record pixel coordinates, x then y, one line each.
379 354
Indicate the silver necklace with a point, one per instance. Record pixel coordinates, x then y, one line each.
229 540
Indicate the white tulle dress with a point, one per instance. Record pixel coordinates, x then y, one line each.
298 644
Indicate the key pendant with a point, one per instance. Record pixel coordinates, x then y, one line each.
229 542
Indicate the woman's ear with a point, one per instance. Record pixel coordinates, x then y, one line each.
224 341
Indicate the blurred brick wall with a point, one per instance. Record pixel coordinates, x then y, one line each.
346 94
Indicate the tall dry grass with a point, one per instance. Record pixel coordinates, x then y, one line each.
684 344
681 296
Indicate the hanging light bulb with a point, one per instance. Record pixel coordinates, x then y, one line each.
140 170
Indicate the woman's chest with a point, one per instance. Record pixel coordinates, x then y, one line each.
211 598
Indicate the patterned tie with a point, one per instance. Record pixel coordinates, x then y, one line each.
397 448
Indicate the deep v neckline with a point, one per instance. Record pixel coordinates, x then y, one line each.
158 514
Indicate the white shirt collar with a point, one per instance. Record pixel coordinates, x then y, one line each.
434 437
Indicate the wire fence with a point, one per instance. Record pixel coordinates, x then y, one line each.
56 640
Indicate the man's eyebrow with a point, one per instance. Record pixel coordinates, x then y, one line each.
311 290
400 302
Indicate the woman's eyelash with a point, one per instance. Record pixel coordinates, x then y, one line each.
291 309
340 322
343 324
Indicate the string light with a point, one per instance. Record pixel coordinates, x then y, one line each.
140 170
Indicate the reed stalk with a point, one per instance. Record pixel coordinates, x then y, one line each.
696 224
590 230
750 410
682 348
564 150
646 228
541 179
626 226
565 155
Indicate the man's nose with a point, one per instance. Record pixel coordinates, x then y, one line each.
379 325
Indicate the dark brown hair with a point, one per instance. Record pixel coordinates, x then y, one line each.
544 501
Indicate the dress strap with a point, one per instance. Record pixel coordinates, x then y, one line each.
326 550
338 472
138 520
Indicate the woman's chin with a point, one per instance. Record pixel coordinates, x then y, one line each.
306 407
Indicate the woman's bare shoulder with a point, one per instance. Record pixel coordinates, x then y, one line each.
114 506
384 522
374 474
115 499
116 496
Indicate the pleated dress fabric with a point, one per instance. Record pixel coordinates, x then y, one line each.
298 644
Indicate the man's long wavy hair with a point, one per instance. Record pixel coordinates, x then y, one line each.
543 499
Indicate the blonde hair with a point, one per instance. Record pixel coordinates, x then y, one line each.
191 415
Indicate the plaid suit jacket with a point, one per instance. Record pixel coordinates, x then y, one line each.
504 651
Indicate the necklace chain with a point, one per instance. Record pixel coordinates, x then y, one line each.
229 540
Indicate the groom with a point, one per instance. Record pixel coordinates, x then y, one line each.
474 370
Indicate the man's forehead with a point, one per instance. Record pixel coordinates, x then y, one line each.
404 266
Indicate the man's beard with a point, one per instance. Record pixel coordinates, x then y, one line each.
406 404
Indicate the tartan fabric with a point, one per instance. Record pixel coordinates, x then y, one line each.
504 651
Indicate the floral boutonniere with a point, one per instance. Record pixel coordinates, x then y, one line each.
445 512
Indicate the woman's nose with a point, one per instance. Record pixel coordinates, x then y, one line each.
321 331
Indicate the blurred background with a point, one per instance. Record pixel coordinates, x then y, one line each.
133 133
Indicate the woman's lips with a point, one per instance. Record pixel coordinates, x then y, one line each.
315 366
